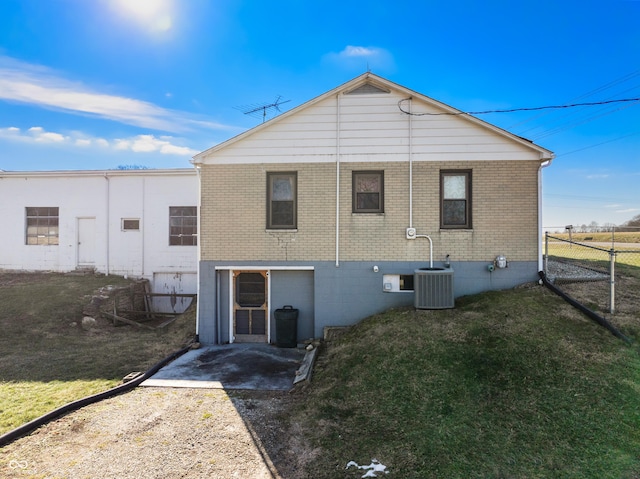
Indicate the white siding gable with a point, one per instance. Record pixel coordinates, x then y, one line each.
362 123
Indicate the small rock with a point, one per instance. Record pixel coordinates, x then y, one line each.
88 323
309 347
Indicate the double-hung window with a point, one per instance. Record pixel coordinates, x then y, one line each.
42 225
282 200
455 199
368 191
183 225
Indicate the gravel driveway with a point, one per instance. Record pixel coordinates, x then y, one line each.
162 433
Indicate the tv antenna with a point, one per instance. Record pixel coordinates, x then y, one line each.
257 109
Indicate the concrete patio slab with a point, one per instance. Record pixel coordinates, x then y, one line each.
232 366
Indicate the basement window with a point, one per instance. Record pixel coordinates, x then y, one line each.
42 225
130 224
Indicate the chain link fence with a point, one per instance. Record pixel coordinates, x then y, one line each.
603 276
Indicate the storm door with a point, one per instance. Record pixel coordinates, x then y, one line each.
250 307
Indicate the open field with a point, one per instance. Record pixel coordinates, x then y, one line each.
597 257
616 237
46 358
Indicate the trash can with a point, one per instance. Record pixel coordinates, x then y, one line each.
286 327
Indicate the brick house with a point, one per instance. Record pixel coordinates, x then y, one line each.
332 206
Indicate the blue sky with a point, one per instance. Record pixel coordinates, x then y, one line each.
105 83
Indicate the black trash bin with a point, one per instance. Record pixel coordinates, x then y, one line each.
286 327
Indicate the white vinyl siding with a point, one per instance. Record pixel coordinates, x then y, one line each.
371 128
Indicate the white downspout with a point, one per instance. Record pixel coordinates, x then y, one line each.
337 180
540 225
198 249
108 213
144 192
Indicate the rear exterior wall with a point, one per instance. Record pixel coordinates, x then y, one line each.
504 214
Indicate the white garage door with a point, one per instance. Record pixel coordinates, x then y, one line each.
173 284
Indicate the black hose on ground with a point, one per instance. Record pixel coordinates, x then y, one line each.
42 420
592 314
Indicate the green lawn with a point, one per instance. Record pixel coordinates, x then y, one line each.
47 360
512 384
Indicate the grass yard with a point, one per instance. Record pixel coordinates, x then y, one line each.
512 384
47 360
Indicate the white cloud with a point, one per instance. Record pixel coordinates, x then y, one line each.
35 85
352 51
598 176
164 145
38 134
628 210
177 150
363 58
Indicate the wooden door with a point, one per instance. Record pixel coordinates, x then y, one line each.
250 308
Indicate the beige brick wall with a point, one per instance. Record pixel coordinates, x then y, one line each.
505 207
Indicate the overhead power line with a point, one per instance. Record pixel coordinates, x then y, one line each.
511 110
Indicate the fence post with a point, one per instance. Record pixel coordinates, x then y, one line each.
612 280
546 252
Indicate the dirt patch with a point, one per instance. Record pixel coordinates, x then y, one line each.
164 433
